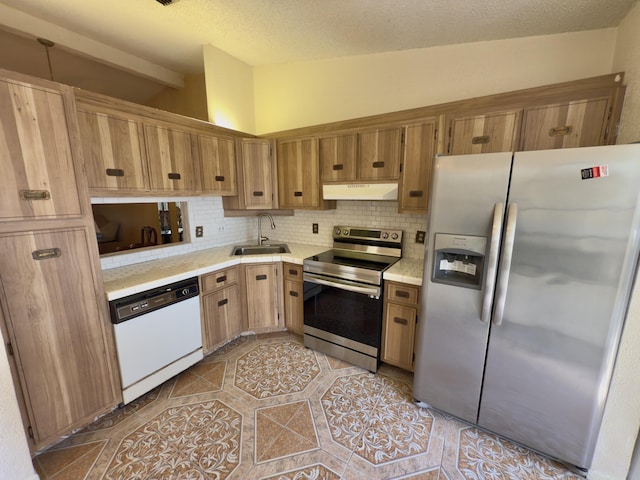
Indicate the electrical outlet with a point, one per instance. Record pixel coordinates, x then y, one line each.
420 236
199 232
314 227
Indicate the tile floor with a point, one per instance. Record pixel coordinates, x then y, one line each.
267 408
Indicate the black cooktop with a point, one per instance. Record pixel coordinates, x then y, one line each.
348 258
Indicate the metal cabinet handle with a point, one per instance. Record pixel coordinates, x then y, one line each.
115 172
416 193
293 293
560 131
338 166
505 264
480 140
221 279
293 271
261 277
297 194
46 253
174 176
401 321
223 302
35 195
377 164
258 194
402 294
492 262
219 178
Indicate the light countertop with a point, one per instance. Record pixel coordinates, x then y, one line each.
123 281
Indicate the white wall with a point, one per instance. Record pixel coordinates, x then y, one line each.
622 413
310 93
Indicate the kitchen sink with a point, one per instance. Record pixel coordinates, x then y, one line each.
260 249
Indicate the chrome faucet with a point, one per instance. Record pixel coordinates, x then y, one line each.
273 225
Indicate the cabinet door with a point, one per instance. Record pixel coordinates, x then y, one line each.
113 154
222 317
574 124
398 335
494 132
171 162
263 313
257 173
218 165
294 306
338 157
58 333
298 172
419 150
38 174
379 154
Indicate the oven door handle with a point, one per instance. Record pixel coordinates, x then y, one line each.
372 291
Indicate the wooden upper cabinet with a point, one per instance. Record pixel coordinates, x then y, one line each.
113 152
299 174
419 150
379 154
172 166
257 174
581 123
338 157
39 176
493 132
218 165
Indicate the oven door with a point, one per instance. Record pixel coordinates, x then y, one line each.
343 309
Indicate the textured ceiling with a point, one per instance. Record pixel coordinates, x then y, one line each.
261 32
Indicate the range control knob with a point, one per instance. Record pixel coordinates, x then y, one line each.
337 232
394 236
385 235
345 232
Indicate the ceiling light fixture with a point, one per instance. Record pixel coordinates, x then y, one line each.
47 44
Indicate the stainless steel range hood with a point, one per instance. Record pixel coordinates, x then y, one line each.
361 191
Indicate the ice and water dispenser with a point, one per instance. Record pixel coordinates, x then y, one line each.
459 260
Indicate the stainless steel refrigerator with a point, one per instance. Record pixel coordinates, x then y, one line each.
529 266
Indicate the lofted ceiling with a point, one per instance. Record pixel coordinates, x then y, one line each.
263 32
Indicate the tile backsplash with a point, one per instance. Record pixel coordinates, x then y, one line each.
220 230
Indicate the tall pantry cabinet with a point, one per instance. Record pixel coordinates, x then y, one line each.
54 321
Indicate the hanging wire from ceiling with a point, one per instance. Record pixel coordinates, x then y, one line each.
47 44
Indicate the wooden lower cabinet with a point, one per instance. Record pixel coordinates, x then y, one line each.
293 298
263 297
399 325
221 308
60 339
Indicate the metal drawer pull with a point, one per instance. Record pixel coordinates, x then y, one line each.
416 193
223 302
221 279
261 277
293 271
115 172
297 194
46 253
35 195
560 131
480 140
219 178
402 294
338 166
401 321
377 164
174 176
258 194
292 293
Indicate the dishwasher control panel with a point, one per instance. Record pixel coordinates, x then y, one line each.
138 304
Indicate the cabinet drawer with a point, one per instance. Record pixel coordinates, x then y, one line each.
219 279
399 292
292 272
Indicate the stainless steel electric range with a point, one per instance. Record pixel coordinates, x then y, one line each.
343 294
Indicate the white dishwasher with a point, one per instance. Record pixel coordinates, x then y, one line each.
158 335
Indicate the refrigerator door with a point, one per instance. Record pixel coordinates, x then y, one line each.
468 194
575 250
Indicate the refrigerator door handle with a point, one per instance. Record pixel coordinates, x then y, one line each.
505 263
492 263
